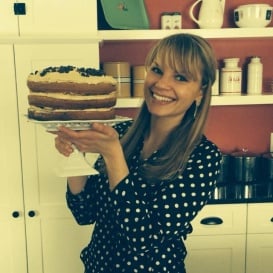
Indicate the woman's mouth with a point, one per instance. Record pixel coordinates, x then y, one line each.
161 98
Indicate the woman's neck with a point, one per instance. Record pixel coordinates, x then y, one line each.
159 131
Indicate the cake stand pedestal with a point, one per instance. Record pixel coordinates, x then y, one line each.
76 164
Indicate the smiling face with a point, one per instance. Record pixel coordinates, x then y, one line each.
169 93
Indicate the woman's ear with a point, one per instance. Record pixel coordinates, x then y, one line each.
199 98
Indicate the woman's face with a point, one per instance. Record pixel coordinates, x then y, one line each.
169 93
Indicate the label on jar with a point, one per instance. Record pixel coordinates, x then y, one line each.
231 82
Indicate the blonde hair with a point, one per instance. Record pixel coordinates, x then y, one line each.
194 56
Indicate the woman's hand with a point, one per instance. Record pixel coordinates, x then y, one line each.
100 139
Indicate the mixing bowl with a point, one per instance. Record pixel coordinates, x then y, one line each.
253 15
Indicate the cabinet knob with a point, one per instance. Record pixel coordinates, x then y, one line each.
31 213
15 214
19 8
211 221
271 220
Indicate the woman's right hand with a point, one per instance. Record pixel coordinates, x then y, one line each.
64 146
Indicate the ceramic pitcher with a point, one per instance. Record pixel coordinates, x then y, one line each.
211 14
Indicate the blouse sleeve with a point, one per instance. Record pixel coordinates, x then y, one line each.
162 212
84 205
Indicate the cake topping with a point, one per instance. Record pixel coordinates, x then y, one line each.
85 72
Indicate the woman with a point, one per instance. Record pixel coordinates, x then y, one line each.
156 173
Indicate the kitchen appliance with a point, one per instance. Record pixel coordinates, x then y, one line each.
253 15
211 14
126 14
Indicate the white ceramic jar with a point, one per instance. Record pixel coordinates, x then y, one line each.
254 76
231 77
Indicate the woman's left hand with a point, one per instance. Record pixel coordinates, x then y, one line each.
100 139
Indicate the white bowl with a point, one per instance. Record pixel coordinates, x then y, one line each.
253 15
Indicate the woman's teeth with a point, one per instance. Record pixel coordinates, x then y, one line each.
161 98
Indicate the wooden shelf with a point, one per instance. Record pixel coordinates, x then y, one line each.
135 35
129 35
216 101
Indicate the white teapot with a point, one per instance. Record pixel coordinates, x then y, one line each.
211 14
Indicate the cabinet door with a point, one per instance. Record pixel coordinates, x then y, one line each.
214 254
54 240
260 218
259 253
12 225
221 219
8 20
59 17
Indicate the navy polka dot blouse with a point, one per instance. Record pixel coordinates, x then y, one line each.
140 227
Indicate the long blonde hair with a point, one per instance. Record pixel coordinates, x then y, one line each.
194 56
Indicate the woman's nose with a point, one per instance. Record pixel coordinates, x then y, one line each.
163 82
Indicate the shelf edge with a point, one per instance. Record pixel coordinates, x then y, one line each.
215 101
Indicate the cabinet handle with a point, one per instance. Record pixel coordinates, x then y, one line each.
271 220
211 221
15 214
31 213
19 8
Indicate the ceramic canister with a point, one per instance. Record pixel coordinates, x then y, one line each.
139 74
121 72
231 77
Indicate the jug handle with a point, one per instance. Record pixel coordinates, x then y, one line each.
191 11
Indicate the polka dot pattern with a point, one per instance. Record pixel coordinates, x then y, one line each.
140 227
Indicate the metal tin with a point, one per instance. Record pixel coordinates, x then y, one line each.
245 167
139 74
121 72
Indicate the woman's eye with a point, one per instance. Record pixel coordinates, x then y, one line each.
156 70
181 78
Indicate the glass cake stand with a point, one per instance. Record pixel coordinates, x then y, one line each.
76 164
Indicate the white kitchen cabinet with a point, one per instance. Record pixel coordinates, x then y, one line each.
8 21
12 224
217 243
54 240
260 238
49 17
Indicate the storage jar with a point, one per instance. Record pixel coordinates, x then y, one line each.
231 77
121 71
254 76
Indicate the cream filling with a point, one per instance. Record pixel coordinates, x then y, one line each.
74 97
72 76
48 109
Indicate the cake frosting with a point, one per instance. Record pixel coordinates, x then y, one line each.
69 93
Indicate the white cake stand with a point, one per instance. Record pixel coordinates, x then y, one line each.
76 164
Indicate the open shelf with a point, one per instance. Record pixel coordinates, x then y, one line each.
127 35
216 101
